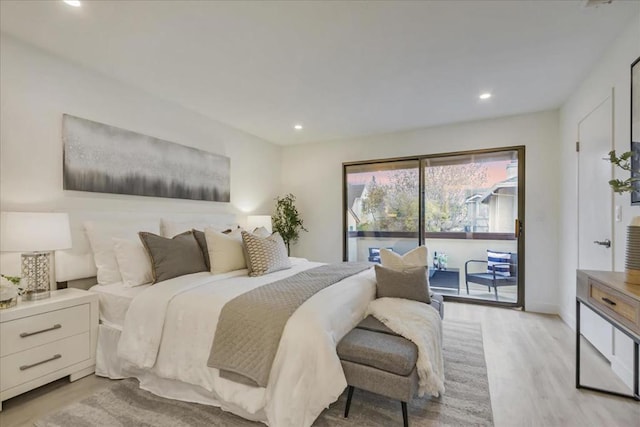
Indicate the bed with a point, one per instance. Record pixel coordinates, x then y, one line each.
161 334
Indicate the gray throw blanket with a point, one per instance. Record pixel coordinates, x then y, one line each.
250 325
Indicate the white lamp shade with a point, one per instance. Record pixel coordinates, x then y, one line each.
257 221
34 231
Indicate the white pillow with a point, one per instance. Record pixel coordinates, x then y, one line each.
173 228
417 257
133 262
225 250
101 234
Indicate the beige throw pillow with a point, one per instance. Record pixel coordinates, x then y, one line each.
417 257
265 255
225 250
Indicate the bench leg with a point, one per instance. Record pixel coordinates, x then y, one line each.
349 396
405 417
495 288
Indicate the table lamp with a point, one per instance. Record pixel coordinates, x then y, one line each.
36 235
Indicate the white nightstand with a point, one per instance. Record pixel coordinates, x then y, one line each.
42 341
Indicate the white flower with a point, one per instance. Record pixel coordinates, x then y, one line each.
5 282
7 291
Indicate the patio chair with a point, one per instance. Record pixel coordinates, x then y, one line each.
374 254
496 273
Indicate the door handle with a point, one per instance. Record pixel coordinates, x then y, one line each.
518 228
606 243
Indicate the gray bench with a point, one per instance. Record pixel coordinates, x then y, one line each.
376 359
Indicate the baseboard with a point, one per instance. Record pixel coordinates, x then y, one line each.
542 307
624 372
569 318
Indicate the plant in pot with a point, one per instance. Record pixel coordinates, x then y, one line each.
623 161
632 263
287 221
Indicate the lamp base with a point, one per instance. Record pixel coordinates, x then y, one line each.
35 276
36 294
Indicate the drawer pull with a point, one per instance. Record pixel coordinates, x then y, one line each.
608 301
25 367
28 334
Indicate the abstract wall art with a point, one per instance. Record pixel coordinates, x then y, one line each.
635 130
106 159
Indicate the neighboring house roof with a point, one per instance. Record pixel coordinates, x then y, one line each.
507 183
354 192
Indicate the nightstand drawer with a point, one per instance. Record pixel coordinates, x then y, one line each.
28 332
28 365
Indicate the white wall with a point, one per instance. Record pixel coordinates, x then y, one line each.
313 173
612 71
37 88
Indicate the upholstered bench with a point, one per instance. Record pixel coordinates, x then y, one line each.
376 359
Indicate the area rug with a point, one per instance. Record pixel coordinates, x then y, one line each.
465 402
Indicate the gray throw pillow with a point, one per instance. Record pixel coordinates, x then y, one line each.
410 284
202 242
173 257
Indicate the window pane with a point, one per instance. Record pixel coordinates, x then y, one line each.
382 208
479 194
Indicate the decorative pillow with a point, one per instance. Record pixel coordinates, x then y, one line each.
133 261
500 262
173 257
416 257
261 232
202 242
408 284
265 255
225 250
101 234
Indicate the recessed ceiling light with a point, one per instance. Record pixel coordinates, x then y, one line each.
297 126
74 3
485 95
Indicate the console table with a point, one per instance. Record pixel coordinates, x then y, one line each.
617 302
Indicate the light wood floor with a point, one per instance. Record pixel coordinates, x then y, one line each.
530 364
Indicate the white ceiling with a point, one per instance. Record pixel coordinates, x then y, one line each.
343 69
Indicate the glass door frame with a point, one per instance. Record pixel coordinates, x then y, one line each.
422 159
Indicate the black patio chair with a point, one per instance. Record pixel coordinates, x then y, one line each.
492 279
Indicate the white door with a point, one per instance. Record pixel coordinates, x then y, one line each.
595 205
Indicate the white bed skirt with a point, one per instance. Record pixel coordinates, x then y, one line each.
110 366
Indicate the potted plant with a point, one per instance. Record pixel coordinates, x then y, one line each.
623 162
287 221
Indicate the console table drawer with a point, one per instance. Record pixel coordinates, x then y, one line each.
625 308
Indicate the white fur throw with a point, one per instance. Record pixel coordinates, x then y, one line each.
421 324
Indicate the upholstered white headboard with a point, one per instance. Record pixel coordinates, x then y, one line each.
77 263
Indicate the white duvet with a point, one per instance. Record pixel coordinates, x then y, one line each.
169 329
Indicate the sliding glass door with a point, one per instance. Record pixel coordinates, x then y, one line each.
467 208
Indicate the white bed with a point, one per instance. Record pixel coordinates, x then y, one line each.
182 314
114 302
165 338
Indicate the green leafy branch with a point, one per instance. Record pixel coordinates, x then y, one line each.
623 162
13 279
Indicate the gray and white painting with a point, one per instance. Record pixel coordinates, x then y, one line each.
106 159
